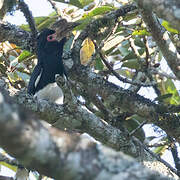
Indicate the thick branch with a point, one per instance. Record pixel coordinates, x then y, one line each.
116 97
165 9
61 155
162 39
15 35
80 119
28 15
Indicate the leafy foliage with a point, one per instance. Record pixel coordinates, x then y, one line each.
127 47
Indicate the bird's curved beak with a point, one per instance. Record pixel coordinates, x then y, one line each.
52 37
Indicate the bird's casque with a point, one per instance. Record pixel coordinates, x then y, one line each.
49 53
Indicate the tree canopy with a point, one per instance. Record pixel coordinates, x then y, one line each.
123 64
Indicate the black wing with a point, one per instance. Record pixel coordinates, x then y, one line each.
34 76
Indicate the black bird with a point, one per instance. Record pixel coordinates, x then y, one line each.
42 82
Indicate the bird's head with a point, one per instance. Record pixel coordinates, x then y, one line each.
47 42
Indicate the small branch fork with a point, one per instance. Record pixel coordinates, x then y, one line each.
55 7
156 156
125 80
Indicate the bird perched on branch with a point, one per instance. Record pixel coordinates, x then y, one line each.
42 82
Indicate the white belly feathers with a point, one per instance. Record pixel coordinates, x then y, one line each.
52 92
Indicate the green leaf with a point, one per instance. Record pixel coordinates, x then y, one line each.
138 42
40 19
168 87
124 51
13 168
125 44
160 56
83 23
77 3
124 48
98 11
138 118
130 16
46 23
132 124
112 52
160 150
125 72
141 51
98 64
168 27
119 29
41 22
165 96
25 27
52 14
142 32
85 2
2 69
132 64
25 54
87 18
129 56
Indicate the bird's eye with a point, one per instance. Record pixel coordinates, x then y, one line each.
50 37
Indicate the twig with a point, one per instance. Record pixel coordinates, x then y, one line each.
113 29
125 80
162 73
136 129
159 144
174 151
55 8
156 156
147 52
28 15
107 115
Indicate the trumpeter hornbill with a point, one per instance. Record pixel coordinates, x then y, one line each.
42 82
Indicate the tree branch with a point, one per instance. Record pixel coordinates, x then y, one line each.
28 15
125 80
162 39
16 35
157 157
55 7
59 154
78 118
116 97
165 9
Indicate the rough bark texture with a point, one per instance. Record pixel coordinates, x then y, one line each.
37 146
15 35
161 37
80 119
165 9
59 154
